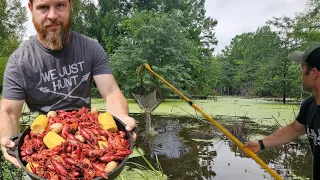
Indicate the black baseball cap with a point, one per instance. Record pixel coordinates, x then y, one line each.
311 56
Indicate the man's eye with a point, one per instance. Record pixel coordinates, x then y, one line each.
60 5
43 7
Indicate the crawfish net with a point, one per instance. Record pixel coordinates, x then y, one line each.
147 102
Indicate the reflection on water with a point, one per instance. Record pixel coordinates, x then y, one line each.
192 149
169 144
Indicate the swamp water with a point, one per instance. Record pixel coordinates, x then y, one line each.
189 147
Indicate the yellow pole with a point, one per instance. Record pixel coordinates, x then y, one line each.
215 123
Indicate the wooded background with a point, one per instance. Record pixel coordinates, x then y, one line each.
178 41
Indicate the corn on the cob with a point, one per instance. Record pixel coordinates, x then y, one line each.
107 122
40 124
52 139
28 166
102 144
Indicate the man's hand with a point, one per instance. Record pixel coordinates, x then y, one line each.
130 125
7 143
254 146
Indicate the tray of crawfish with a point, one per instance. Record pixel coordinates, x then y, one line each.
74 144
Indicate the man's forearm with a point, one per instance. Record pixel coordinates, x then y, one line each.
282 136
9 125
117 104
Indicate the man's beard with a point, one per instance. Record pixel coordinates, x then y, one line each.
53 40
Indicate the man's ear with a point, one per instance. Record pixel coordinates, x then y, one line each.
30 6
71 3
315 73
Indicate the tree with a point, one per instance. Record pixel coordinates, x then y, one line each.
306 28
250 64
159 40
86 19
191 15
198 28
12 18
113 13
285 28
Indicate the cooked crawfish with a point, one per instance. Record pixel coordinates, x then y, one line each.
75 159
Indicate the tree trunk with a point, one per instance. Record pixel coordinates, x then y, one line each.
284 88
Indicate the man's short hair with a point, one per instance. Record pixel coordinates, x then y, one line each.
31 1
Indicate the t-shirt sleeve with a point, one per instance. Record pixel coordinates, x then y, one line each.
13 86
301 118
100 61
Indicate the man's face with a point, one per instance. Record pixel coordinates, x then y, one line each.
52 20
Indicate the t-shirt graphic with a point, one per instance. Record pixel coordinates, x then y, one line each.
68 78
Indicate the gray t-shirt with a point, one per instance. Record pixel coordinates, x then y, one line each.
52 80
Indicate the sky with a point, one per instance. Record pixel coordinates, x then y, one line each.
234 16
240 16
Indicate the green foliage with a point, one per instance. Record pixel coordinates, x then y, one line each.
100 22
12 18
306 29
94 92
8 170
110 32
186 38
191 15
9 45
254 65
3 63
177 40
159 40
86 19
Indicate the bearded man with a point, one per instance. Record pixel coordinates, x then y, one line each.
54 70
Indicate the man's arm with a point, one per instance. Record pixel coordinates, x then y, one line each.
116 103
10 112
284 135
280 137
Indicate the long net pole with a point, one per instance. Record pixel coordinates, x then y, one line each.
215 123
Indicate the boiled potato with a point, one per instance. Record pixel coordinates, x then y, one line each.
111 166
52 114
94 111
56 127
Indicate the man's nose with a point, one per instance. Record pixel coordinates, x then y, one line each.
53 14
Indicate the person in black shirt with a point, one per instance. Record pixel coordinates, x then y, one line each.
308 119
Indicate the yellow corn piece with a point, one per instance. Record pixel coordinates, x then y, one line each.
28 166
103 138
107 122
40 124
52 139
103 143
